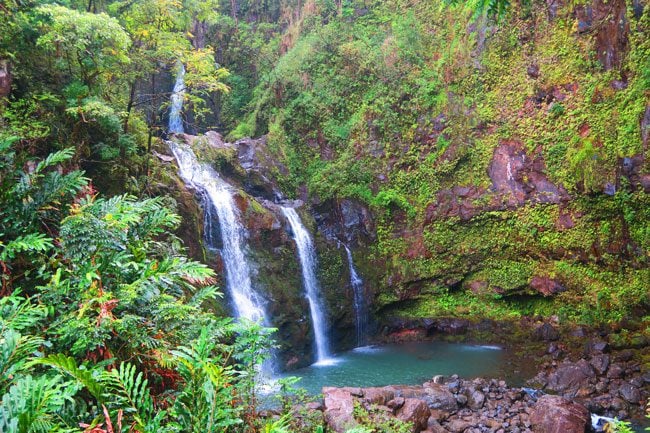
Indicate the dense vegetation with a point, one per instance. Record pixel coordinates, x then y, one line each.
106 324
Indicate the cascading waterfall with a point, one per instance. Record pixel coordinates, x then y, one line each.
176 102
247 302
218 198
307 255
360 306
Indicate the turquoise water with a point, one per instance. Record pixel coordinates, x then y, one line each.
402 364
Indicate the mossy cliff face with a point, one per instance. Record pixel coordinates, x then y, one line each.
272 253
504 164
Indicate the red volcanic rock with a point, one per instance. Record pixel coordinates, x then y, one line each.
5 79
339 408
546 286
416 412
555 414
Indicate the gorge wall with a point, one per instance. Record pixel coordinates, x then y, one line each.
476 169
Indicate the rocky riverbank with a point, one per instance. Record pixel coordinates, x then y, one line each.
456 406
572 372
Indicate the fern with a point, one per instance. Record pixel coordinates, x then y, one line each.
33 242
18 313
67 365
131 393
32 403
15 349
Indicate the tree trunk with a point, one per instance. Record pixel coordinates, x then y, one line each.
129 107
233 11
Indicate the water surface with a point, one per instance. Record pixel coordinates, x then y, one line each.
402 364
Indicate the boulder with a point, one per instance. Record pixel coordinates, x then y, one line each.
546 332
475 399
395 403
436 396
339 408
569 377
458 425
439 397
379 396
416 412
600 363
630 393
555 414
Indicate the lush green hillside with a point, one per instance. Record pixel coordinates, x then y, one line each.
492 155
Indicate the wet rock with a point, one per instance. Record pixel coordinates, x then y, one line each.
554 414
546 332
416 412
395 403
339 407
5 78
452 326
260 167
600 363
630 393
475 399
344 219
568 377
378 395
546 286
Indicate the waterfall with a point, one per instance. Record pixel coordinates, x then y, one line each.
219 198
176 102
360 307
307 255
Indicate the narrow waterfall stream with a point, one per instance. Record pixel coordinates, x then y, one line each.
176 103
360 305
307 254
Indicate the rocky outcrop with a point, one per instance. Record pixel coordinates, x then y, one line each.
609 22
546 286
519 178
5 78
554 414
339 408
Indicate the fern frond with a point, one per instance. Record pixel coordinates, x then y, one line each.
15 349
132 393
33 242
55 158
18 313
66 364
31 404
